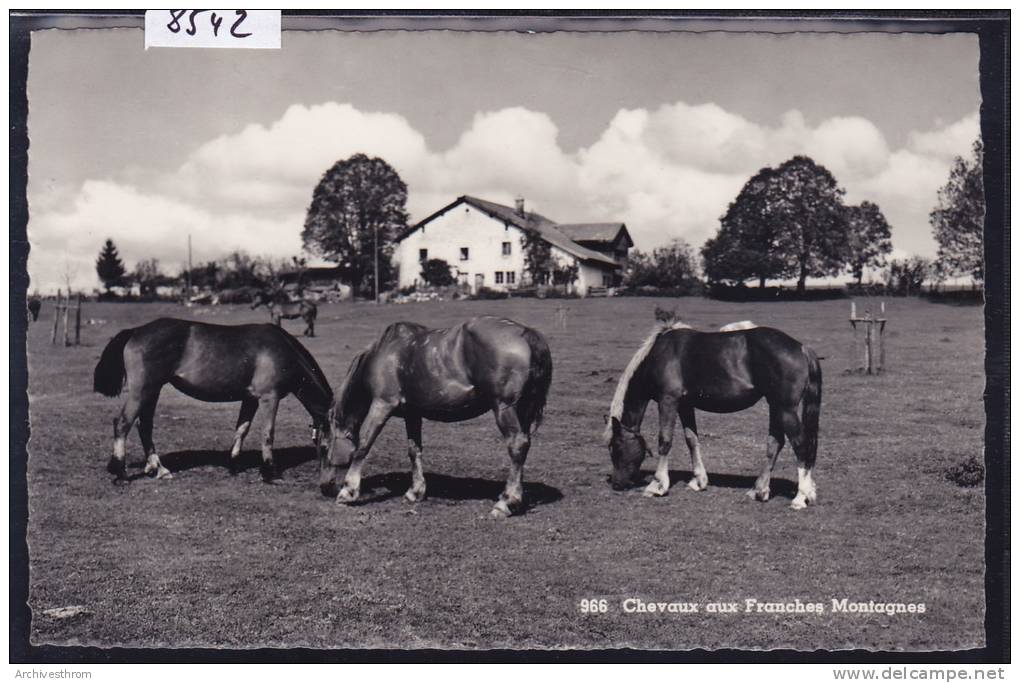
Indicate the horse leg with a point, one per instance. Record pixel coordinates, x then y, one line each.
268 468
414 451
145 419
517 443
805 460
773 444
249 407
699 482
378 413
659 486
121 428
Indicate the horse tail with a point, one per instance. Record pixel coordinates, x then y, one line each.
110 373
531 406
811 404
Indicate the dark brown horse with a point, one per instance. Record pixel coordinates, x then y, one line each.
254 364
449 375
34 306
721 372
280 307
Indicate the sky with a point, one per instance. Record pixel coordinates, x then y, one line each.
657 130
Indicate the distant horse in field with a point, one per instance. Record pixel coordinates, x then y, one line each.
448 375
721 372
257 365
280 307
34 306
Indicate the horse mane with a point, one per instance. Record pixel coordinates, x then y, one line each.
616 407
347 393
310 366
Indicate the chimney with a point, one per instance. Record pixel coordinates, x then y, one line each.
519 203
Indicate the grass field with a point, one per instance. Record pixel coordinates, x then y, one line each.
207 559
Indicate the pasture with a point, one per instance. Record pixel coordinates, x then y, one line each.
207 559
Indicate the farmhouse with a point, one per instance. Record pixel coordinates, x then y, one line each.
484 244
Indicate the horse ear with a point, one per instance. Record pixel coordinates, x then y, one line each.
617 427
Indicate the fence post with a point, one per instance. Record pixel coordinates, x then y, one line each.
56 319
67 312
77 322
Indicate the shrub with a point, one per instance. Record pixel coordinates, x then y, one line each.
967 474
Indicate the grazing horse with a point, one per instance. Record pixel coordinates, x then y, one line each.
280 307
447 375
34 306
254 364
721 372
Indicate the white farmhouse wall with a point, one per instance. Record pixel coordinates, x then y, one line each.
588 276
463 227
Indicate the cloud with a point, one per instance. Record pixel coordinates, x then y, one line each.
668 173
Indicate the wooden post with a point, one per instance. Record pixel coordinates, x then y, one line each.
67 312
56 319
77 322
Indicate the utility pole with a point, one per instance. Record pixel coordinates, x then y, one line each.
189 266
375 230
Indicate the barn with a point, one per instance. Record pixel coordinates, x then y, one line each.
484 244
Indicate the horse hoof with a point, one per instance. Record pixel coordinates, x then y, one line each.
413 497
164 473
696 485
117 468
500 510
653 491
798 503
759 495
345 497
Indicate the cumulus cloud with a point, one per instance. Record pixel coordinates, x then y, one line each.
667 173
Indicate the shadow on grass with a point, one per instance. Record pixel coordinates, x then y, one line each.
379 487
285 459
779 487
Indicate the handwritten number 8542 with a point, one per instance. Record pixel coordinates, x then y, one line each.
215 20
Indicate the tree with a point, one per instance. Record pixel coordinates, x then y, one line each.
358 209
673 266
870 239
109 267
907 276
813 219
148 276
786 222
746 245
958 219
436 272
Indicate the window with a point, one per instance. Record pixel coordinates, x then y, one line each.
511 277
464 255
506 248
607 279
423 254
462 278
499 277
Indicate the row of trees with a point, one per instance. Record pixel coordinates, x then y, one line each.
234 271
790 222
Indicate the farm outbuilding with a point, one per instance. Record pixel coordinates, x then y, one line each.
484 244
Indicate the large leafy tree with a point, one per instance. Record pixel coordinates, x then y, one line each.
109 267
746 245
811 218
958 219
359 207
870 238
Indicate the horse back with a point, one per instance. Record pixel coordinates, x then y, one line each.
729 371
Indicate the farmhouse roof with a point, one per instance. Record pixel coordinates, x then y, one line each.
530 221
595 232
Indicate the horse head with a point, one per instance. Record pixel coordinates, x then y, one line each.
627 450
